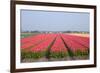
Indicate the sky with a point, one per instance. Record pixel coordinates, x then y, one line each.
32 20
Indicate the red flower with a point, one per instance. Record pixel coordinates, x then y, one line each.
58 46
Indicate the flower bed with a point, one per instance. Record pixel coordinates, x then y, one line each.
39 50
58 50
75 48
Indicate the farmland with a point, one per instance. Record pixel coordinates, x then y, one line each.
54 47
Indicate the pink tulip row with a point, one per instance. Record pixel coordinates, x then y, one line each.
33 41
42 42
32 38
82 40
58 46
42 47
73 45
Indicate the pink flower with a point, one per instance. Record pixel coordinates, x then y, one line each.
58 46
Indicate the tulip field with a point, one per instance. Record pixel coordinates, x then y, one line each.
54 46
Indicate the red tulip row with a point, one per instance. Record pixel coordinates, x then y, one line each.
58 50
27 39
35 40
58 46
82 40
40 49
32 38
37 46
76 48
